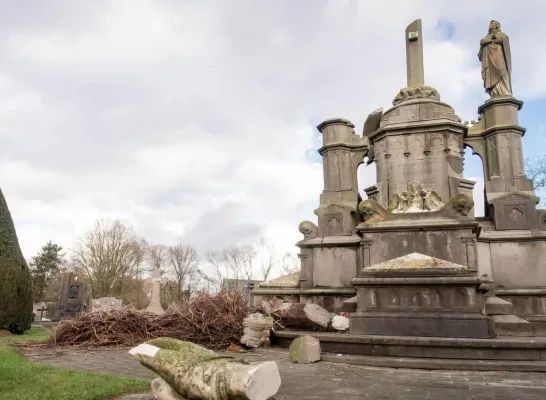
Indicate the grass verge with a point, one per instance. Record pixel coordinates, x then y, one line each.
22 380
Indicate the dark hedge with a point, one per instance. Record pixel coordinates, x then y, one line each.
15 280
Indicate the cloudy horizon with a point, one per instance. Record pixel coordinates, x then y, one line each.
196 120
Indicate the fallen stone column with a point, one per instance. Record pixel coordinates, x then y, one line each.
300 315
197 373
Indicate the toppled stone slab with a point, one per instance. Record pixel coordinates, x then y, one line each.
340 323
286 281
415 263
300 315
257 328
304 350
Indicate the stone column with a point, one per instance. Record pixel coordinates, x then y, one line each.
342 152
510 197
502 134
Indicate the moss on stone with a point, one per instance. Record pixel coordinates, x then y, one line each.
15 280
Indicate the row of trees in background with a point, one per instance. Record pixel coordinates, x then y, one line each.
114 261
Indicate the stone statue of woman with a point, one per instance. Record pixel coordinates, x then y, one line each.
496 61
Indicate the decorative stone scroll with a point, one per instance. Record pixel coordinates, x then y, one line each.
372 211
415 199
459 205
309 230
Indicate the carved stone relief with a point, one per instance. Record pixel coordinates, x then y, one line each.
415 199
373 299
334 223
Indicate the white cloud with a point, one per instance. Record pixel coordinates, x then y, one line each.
193 120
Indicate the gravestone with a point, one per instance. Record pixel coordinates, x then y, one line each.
44 311
105 304
72 295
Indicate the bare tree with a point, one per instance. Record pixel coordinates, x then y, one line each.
183 262
158 256
104 256
240 260
290 263
136 292
220 269
535 167
268 257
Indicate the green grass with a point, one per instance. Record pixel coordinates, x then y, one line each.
34 335
22 380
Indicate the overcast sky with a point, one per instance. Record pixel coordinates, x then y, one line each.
195 120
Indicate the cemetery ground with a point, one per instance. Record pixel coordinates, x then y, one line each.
21 379
105 373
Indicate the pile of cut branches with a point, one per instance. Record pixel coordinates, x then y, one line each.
213 321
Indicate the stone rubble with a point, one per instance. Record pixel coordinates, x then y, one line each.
257 328
340 323
304 350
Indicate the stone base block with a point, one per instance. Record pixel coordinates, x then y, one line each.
539 324
497 306
510 325
458 325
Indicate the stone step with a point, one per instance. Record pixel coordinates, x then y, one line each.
349 305
510 325
497 306
439 363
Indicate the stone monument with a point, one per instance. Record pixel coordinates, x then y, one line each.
421 265
72 295
155 297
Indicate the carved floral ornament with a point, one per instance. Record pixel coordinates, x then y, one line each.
415 199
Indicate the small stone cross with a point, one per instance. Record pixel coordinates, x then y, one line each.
414 54
42 311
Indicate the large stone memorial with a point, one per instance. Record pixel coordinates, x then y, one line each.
72 296
421 276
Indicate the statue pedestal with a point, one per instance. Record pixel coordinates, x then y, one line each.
418 295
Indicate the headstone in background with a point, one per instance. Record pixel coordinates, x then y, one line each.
44 311
72 296
155 298
105 304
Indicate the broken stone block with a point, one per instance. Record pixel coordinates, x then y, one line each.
300 315
257 328
304 350
340 323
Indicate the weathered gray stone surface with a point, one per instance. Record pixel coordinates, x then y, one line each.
511 325
304 350
497 306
